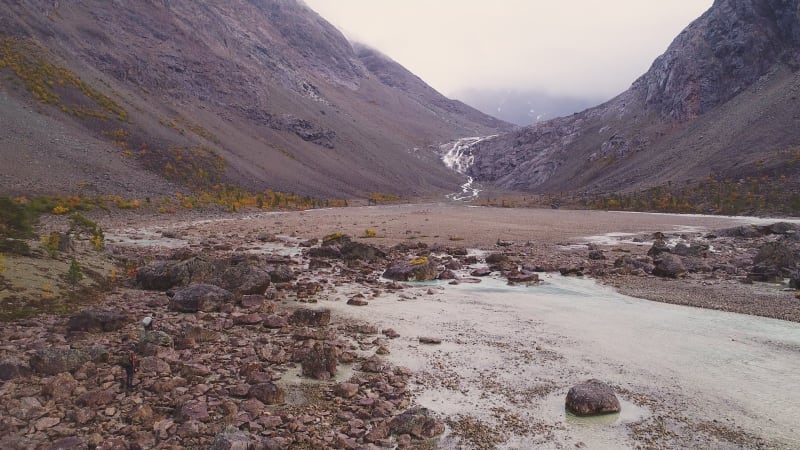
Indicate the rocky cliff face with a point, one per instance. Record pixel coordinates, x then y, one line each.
261 93
721 101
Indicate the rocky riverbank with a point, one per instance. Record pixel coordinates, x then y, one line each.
241 355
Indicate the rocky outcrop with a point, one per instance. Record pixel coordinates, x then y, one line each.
591 398
709 82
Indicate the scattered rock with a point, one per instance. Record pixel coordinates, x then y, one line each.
590 398
418 422
11 368
233 439
429 340
358 300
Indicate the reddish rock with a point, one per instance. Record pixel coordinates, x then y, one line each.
379 431
275 321
247 319
320 362
311 317
193 410
60 387
267 393
95 399
346 390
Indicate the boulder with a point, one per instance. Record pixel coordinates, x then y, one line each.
200 297
193 410
281 274
157 338
524 277
499 262
659 247
311 317
481 272
418 422
346 390
358 300
52 361
275 321
669 266
320 362
794 280
60 388
97 320
247 319
777 256
425 270
695 249
267 393
590 398
164 275
362 252
245 279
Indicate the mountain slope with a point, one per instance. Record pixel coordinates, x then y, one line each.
722 101
260 94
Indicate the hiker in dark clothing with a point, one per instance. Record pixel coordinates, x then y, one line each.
130 362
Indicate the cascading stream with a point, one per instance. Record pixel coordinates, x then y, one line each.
458 156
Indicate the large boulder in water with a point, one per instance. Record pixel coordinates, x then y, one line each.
200 297
592 398
776 257
420 269
96 320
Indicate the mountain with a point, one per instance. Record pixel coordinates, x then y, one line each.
522 107
157 96
723 101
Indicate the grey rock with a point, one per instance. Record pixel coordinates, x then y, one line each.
592 397
200 297
669 266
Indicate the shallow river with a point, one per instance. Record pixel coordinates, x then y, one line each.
510 354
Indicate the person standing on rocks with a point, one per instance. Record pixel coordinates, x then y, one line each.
130 362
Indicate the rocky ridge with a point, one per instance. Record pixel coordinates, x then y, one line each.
719 102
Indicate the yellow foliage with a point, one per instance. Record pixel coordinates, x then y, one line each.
370 233
2 266
420 261
58 210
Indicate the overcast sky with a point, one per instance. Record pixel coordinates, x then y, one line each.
578 48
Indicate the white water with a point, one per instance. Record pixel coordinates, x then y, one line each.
500 343
458 156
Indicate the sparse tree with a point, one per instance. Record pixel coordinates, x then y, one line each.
74 274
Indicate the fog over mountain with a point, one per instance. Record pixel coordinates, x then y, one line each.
523 107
